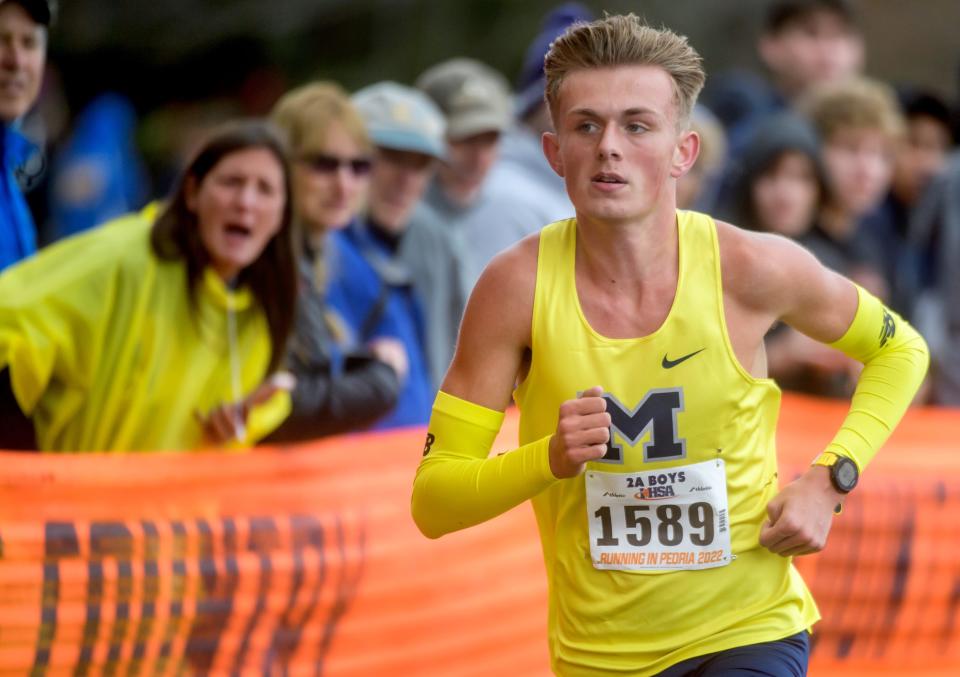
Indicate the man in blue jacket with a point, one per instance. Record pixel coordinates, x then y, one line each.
23 46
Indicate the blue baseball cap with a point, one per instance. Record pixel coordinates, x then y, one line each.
402 118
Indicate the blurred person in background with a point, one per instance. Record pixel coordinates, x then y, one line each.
907 265
780 189
935 225
460 205
341 385
23 48
370 284
782 183
475 100
97 172
859 125
698 188
802 44
159 331
523 169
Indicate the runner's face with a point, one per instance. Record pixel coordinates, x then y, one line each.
617 145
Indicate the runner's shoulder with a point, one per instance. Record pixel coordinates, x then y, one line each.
503 296
758 268
512 272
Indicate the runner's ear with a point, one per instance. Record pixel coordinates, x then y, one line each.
685 154
551 149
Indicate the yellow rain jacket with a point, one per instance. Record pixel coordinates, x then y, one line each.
106 353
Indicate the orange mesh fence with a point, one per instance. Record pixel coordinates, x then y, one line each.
305 560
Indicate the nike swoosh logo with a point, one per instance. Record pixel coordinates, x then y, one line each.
670 364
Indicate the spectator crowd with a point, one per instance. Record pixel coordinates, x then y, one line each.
307 273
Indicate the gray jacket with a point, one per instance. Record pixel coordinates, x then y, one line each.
935 226
340 388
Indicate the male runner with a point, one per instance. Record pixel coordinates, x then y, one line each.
635 332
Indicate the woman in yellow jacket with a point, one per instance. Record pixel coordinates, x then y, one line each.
159 333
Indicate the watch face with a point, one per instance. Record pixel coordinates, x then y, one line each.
845 473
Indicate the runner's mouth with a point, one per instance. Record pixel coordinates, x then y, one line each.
608 177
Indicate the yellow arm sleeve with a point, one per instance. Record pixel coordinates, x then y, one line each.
895 359
457 485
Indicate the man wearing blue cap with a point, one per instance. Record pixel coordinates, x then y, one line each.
371 286
23 45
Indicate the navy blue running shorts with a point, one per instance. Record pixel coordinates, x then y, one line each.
783 658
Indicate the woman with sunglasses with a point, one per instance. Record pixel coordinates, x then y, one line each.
158 331
341 385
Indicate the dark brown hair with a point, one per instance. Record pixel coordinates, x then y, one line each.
272 277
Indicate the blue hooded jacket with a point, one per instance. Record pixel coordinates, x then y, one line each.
18 236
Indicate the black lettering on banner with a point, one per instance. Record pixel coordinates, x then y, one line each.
48 613
656 413
319 538
305 532
264 538
91 625
178 593
149 592
347 583
211 610
121 616
669 529
60 540
199 606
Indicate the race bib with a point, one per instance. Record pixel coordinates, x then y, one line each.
659 519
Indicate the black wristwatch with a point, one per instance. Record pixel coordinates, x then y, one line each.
844 473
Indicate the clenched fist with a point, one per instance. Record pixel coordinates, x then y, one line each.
582 433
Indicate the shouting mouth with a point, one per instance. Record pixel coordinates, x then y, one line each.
237 231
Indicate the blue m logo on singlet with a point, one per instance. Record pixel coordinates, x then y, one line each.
656 413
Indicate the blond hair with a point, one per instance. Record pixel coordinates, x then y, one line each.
857 103
625 40
307 113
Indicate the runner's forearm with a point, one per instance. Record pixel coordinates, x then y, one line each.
457 485
895 359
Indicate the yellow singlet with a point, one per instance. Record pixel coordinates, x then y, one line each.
638 572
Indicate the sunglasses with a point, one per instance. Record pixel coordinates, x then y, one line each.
328 164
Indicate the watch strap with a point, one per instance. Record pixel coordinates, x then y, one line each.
827 458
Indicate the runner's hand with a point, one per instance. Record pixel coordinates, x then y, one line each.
582 433
801 515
